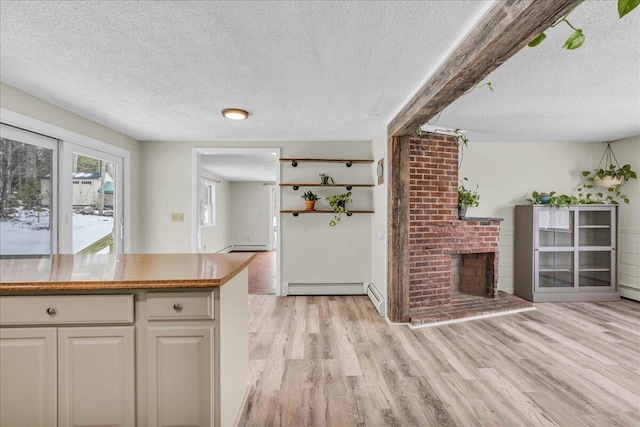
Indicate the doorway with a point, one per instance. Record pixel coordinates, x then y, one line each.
244 202
91 201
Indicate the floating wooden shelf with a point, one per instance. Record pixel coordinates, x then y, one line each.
348 162
348 186
348 213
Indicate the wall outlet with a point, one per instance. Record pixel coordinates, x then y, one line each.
177 217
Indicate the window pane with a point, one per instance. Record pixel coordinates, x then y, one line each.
208 203
25 198
93 204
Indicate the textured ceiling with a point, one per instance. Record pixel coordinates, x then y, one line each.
310 71
551 94
163 70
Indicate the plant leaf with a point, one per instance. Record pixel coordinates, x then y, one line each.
535 42
626 6
575 40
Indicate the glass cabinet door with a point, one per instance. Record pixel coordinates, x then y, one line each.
555 270
594 269
594 228
555 228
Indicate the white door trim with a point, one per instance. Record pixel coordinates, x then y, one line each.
195 194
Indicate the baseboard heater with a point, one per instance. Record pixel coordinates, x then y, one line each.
250 248
357 288
225 250
376 298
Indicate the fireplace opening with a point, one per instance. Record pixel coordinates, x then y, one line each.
473 274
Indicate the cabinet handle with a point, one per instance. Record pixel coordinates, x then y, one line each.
177 307
51 311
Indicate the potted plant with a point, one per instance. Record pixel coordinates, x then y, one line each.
326 179
466 199
309 200
339 205
552 199
610 177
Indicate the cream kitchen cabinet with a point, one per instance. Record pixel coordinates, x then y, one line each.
164 342
179 378
67 375
96 378
28 371
175 358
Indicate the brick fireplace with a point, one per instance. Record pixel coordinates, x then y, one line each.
445 254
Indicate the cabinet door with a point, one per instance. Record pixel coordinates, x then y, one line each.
28 377
96 378
179 375
555 249
596 256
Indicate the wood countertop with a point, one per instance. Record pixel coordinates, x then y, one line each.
125 271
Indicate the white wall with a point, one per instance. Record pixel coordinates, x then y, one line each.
218 237
507 173
250 217
379 219
57 119
627 151
311 251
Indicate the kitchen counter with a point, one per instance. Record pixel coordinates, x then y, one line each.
125 271
157 339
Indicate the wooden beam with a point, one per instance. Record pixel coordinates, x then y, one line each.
507 28
398 229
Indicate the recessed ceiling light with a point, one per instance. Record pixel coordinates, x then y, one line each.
235 114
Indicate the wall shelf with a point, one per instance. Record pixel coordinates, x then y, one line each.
330 211
347 162
347 186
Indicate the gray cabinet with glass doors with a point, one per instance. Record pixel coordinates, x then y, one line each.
566 254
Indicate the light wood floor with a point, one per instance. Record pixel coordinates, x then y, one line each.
332 361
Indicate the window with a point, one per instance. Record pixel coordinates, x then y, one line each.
207 203
27 196
45 209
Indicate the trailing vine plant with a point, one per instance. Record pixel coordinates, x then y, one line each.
577 37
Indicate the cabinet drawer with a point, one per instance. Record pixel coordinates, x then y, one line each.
66 309
179 305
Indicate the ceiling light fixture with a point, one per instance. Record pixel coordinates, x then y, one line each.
235 114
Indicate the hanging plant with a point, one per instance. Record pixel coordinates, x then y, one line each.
610 177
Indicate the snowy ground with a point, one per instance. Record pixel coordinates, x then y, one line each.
29 234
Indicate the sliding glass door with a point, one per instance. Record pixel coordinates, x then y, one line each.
28 199
91 201
58 197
